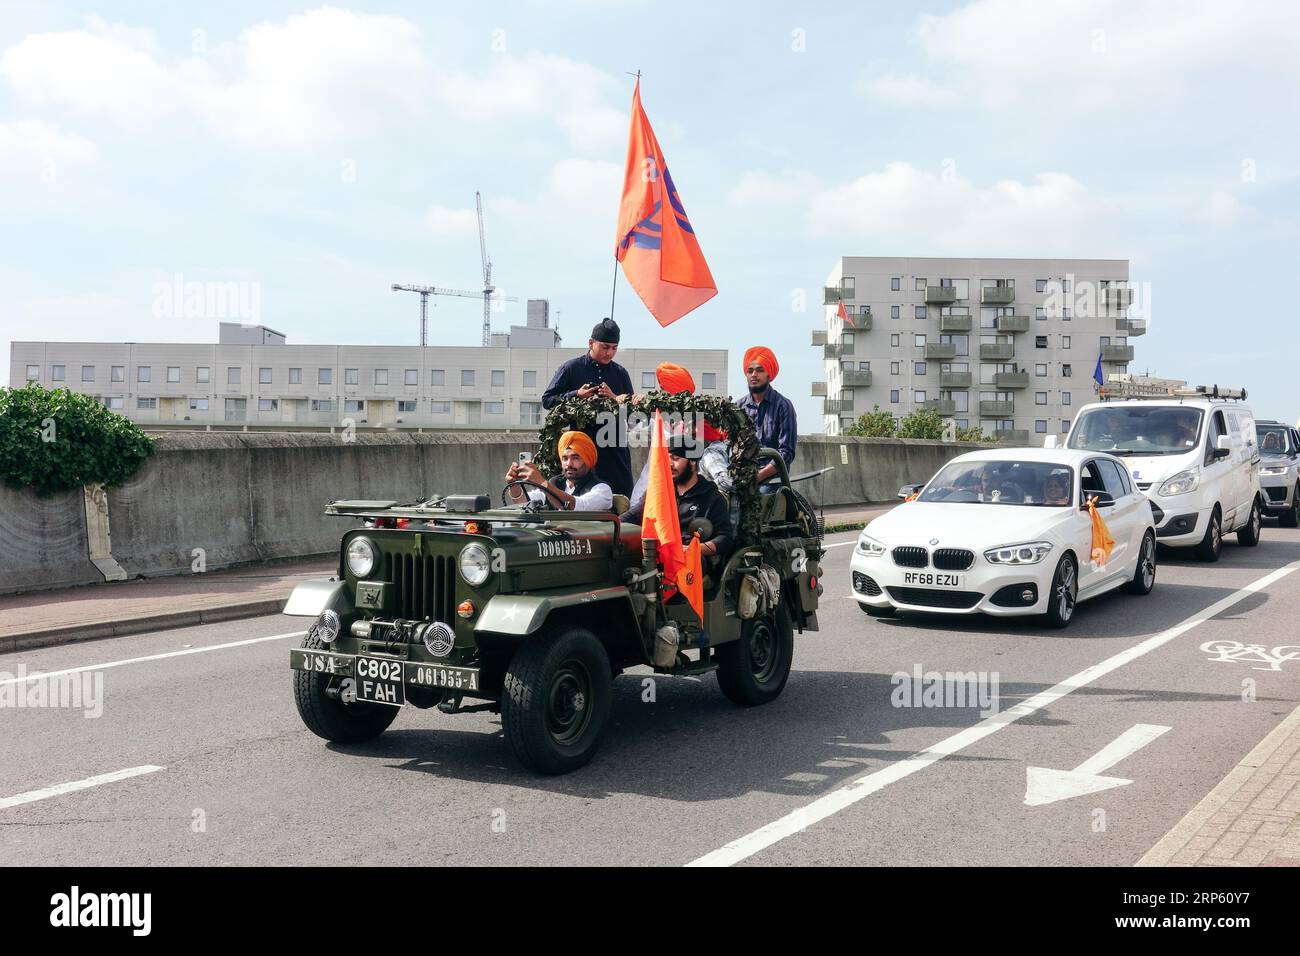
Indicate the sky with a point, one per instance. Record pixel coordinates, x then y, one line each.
318 154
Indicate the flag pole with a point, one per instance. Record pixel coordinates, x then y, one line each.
614 285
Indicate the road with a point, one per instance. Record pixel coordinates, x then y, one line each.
831 773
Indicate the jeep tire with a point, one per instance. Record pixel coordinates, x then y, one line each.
328 716
753 670
556 699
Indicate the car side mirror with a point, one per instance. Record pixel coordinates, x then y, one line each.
1103 500
907 491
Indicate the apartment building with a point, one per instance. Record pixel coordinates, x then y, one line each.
254 376
1006 344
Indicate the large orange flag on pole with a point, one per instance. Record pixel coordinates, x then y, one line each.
659 517
655 241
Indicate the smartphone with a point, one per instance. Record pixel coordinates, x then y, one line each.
525 456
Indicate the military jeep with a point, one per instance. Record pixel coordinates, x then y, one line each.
463 605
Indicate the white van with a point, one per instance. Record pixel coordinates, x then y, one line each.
1195 457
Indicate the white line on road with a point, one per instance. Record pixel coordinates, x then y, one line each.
841 544
1043 785
31 796
151 657
862 787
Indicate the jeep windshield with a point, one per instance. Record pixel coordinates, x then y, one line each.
1273 439
1138 429
1036 483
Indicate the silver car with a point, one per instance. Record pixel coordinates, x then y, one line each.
1279 471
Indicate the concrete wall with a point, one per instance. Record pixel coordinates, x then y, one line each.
254 497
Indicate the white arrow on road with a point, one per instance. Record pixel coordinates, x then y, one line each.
1047 786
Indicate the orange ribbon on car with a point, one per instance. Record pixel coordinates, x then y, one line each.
1102 542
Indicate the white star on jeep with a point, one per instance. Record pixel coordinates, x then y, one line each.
511 612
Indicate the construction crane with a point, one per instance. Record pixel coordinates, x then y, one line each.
488 295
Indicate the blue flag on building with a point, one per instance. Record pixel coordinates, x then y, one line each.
1096 373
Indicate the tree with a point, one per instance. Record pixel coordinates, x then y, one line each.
873 424
922 423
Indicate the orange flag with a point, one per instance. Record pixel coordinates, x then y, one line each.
655 241
844 316
659 516
1102 542
691 580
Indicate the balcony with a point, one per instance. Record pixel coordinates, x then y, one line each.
997 409
940 294
1011 380
855 379
1012 436
944 406
944 351
834 350
1013 323
998 351
1117 353
1118 297
954 323
997 295
954 379
835 406
818 389
818 336
833 296
1131 326
859 322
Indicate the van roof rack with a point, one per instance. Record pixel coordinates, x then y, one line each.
1128 386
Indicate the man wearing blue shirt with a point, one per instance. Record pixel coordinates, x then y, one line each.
770 411
596 374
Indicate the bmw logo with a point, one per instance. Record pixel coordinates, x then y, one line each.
934 541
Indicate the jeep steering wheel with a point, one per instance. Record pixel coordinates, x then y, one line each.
528 503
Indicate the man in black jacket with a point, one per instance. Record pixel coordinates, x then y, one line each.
596 374
697 497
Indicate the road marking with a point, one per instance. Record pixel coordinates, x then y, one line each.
31 796
1044 785
840 544
862 787
151 657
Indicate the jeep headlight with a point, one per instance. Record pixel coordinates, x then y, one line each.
361 557
1180 483
1029 553
1272 470
475 564
869 546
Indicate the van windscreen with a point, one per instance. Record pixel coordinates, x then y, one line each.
1138 429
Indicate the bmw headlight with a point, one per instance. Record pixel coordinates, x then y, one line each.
361 557
869 546
475 563
1273 470
1029 553
1180 483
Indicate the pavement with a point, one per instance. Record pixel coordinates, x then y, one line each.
1113 742
118 608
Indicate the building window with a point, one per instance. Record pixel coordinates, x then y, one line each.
325 376
143 373
893 396
437 376
918 368
113 402
59 372
1065 341
920 283
648 380
710 380
34 373
918 341
198 404
1040 341
893 311
1040 370
268 404
1040 426
920 312
494 408
864 366
411 377
530 413
236 409
352 376
1065 285
467 378
1040 285
1065 398
440 408
322 404
118 374
847 284
295 376
202 374
88 373
498 378
530 378
1065 315
918 395
233 373
263 376
146 403
354 405
1040 314
893 368
1065 425
406 405
1040 398
895 284
381 376
893 340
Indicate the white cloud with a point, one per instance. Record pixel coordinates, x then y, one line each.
34 152
907 89
446 223
1221 210
759 189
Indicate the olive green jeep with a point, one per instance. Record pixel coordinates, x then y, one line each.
465 606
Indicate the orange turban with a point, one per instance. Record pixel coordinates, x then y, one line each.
673 378
579 442
764 357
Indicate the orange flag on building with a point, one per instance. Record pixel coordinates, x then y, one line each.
655 241
691 580
659 515
1102 542
844 316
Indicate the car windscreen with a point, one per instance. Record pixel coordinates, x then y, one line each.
1035 483
1273 439
1138 429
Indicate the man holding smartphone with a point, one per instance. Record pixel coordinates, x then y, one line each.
575 489
596 375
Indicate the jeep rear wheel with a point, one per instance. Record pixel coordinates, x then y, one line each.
324 712
754 669
557 696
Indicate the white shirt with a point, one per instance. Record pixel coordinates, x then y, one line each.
599 497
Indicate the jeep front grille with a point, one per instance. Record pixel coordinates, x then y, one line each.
424 586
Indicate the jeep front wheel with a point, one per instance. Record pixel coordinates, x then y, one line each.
557 696
754 669
325 713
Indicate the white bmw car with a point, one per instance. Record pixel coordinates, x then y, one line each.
1007 532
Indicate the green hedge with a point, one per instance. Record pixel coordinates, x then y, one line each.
54 440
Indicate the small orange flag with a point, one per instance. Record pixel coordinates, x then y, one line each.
654 240
1102 542
691 580
659 520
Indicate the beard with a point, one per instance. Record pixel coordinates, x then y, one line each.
684 477
757 389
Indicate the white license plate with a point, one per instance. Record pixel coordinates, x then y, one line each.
932 579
